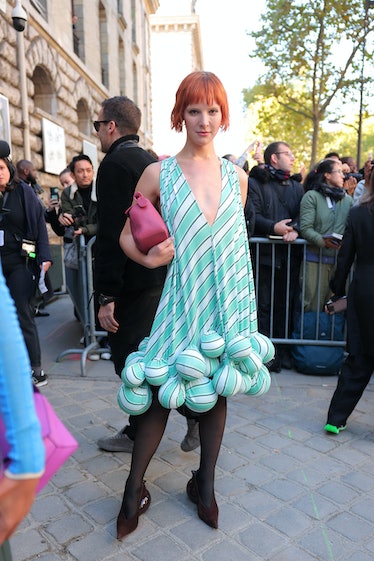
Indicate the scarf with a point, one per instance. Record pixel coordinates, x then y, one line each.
280 174
335 193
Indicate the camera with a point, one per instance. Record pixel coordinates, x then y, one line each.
19 17
357 176
78 212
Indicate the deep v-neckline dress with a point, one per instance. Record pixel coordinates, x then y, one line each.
204 340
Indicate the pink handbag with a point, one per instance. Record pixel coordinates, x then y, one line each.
58 442
147 227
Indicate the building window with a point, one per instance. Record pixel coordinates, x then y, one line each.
103 41
44 94
84 120
41 7
77 22
133 22
121 69
135 83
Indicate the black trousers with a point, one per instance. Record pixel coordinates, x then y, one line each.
353 379
22 283
135 313
280 329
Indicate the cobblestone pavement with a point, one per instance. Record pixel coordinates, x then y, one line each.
286 490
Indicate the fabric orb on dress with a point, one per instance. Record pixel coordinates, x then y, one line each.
262 384
134 401
172 394
133 375
247 383
190 364
134 357
156 372
212 344
212 364
239 347
251 364
201 395
227 380
263 346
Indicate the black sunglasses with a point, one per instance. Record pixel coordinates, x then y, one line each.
97 124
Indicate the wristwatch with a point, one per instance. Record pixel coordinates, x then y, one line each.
104 300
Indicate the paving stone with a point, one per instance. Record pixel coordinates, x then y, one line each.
289 521
351 526
68 528
338 492
229 551
262 539
286 490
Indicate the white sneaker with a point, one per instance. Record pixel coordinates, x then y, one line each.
94 356
106 356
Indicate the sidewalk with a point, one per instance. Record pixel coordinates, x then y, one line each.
286 491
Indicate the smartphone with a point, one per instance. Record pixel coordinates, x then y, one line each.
54 193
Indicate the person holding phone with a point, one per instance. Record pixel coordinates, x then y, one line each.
324 210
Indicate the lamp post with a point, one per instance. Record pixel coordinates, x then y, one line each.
19 17
368 4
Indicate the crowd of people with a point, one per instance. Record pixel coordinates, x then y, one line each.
187 289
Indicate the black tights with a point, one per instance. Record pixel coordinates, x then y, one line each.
150 428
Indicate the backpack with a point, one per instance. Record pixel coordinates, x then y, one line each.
317 359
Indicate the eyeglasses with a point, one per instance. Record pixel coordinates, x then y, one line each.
97 124
338 171
289 154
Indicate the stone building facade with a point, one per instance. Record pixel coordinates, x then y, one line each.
75 53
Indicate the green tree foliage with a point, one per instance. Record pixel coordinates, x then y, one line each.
312 53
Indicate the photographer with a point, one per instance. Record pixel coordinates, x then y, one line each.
24 251
80 195
79 217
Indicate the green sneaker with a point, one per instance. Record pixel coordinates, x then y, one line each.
334 429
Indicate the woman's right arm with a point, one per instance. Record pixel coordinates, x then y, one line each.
161 254
27 454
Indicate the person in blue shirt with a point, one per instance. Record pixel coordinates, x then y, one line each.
26 459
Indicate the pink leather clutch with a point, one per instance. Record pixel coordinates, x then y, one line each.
59 444
147 227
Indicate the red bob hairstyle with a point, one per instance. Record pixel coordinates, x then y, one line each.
199 87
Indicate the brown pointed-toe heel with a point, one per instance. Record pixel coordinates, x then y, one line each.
125 525
209 515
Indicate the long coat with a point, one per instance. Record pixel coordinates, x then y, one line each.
358 243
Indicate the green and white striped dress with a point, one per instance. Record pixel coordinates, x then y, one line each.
204 338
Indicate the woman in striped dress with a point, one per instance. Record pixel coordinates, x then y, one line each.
192 359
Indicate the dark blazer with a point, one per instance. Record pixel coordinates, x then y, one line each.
116 180
358 243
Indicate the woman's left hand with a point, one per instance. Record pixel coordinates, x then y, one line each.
161 254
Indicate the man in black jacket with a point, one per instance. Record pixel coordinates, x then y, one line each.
276 197
128 294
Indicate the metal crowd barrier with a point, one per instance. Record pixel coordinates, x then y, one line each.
255 244
79 284
81 291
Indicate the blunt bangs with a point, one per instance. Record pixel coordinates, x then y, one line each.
199 87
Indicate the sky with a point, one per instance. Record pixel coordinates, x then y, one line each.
226 48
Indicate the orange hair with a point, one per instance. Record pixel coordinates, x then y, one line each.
199 87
